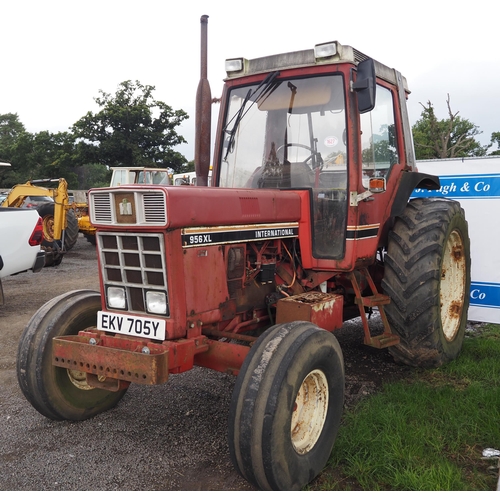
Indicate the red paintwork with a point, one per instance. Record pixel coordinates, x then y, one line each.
197 276
192 206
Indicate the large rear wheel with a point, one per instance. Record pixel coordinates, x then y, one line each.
427 276
59 393
72 231
286 406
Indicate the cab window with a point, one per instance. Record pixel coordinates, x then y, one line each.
378 137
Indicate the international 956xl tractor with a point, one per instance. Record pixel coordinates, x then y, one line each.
308 223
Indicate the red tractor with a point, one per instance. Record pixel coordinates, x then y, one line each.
307 223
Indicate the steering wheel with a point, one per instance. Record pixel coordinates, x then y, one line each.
298 145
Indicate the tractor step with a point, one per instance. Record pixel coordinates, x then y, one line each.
380 341
377 300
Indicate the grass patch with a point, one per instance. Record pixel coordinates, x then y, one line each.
426 432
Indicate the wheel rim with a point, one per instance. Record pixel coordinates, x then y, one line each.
48 228
452 290
79 379
309 411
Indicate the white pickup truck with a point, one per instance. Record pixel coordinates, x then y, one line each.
21 233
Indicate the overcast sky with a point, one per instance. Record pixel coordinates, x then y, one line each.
57 54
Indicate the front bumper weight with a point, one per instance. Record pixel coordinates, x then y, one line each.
74 352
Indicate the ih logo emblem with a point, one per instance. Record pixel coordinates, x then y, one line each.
125 207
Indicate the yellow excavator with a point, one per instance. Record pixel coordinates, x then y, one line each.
60 224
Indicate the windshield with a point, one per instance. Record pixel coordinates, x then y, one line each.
291 133
127 176
281 134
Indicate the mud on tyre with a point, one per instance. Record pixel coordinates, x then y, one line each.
427 276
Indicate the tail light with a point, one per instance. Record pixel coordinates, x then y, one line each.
37 234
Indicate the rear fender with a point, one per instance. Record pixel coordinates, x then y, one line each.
409 182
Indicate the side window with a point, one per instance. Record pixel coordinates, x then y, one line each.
378 139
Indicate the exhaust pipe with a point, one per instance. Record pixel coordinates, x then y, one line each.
203 118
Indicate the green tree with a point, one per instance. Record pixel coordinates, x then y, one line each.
41 156
55 155
495 137
21 156
92 175
453 137
10 130
131 129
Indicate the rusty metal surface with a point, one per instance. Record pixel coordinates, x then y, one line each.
322 309
378 300
203 115
223 357
112 361
76 353
107 383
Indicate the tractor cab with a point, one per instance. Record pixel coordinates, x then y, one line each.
287 128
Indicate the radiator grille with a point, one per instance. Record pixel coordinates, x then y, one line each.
101 207
154 208
147 207
135 262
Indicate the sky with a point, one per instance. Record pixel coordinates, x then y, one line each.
58 54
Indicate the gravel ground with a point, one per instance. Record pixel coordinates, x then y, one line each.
169 437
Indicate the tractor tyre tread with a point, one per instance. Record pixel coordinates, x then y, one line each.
412 280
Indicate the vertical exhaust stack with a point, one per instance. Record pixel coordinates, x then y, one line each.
203 115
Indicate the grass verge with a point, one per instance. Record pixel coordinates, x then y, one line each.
427 432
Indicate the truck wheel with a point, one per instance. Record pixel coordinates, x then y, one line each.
286 406
427 276
59 393
72 230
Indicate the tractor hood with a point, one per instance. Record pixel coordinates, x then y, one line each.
190 206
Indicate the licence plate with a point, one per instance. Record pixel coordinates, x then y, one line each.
138 326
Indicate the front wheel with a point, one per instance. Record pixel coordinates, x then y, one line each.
427 277
59 393
286 406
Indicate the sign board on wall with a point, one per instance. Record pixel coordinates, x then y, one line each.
475 183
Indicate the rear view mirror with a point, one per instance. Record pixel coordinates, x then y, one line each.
365 85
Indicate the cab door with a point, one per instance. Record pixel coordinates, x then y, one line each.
381 160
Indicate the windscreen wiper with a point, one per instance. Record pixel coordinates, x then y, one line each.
237 119
265 85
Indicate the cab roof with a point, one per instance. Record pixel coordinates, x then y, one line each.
321 54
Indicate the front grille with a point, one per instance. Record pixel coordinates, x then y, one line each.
154 207
135 262
147 207
101 207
